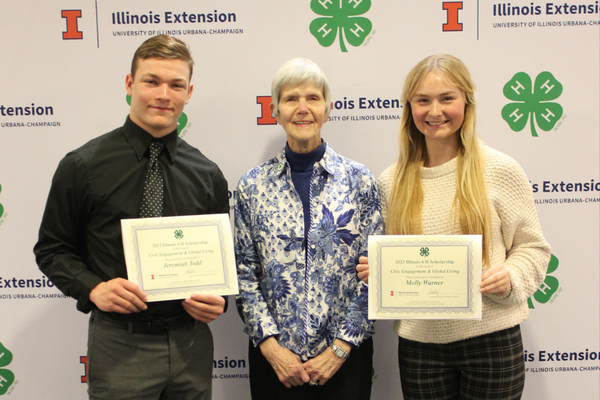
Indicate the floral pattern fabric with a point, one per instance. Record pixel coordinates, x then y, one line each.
306 298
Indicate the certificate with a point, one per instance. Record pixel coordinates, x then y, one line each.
425 277
171 258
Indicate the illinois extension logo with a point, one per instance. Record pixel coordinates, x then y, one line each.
452 8
83 360
266 118
7 378
550 288
72 20
532 102
340 17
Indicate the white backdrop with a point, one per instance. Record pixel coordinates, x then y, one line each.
70 58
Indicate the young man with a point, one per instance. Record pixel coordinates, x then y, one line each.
136 350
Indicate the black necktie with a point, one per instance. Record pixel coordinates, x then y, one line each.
152 198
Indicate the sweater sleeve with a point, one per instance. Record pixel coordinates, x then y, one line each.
527 252
384 186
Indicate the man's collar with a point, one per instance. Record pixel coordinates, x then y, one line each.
140 140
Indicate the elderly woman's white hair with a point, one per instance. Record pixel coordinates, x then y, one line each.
296 72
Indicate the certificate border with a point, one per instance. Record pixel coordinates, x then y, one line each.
176 222
468 312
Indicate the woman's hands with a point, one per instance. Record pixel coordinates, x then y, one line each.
362 269
325 365
292 372
496 280
287 365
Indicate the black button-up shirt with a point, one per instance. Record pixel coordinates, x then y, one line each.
100 183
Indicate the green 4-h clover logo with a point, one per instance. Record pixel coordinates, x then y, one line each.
181 122
548 287
7 378
533 102
340 16
178 234
1 206
424 252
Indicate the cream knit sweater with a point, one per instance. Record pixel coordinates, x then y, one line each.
517 242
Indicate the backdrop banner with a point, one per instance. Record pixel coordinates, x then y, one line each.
536 66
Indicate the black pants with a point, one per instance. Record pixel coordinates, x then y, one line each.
351 382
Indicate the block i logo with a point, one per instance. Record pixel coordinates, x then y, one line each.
452 8
72 19
266 118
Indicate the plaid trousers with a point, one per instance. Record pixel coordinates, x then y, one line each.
490 366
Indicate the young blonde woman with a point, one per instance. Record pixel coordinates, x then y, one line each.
446 182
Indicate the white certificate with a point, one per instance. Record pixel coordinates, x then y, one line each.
425 277
171 258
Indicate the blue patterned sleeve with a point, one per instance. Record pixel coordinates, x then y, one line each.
251 304
357 326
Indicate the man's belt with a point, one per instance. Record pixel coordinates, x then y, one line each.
155 327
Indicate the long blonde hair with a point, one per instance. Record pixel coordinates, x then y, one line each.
471 205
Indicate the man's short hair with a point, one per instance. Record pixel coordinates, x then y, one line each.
165 47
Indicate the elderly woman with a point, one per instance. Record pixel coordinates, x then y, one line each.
446 182
302 220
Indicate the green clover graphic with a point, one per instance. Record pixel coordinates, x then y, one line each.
178 234
181 122
6 376
548 287
533 101
1 206
424 251
340 15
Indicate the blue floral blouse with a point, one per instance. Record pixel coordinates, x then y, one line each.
307 299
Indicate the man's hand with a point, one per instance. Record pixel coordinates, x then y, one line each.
325 365
119 295
204 307
496 280
363 269
287 365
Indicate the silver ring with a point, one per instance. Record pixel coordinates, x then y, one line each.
313 383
